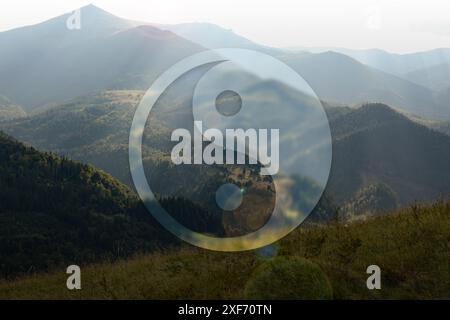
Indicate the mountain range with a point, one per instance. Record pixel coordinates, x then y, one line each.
375 148
395 63
340 79
378 149
69 97
436 76
47 64
80 89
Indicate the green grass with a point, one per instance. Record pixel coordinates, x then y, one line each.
411 247
270 280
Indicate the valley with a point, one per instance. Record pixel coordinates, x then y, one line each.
368 143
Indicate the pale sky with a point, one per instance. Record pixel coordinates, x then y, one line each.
393 25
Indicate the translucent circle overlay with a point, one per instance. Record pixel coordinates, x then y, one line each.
229 197
228 103
282 100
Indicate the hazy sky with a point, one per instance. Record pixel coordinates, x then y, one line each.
393 25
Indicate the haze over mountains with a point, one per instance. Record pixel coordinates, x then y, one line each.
436 76
341 79
398 64
212 36
10 111
47 64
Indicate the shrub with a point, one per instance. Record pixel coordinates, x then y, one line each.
290 278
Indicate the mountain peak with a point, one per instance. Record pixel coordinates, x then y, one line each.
92 6
94 10
381 111
377 106
94 22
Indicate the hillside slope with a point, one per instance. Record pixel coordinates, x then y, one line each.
375 145
378 153
436 77
54 211
341 79
10 111
394 63
410 247
212 36
382 160
48 64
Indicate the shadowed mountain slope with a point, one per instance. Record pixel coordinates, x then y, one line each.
375 145
54 211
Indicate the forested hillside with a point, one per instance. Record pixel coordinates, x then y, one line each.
381 159
54 211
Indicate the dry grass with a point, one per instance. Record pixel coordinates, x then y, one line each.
411 247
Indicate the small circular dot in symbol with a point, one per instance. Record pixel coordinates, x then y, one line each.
229 197
228 103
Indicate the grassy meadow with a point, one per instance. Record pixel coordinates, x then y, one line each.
411 246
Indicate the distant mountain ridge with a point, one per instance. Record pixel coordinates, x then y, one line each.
213 36
47 63
394 63
341 79
436 77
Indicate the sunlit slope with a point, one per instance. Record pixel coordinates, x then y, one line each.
410 247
